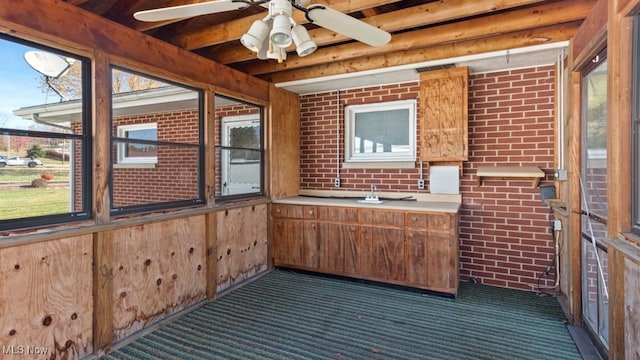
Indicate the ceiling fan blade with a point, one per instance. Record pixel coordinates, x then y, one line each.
190 10
347 25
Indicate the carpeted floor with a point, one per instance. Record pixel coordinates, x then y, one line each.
292 315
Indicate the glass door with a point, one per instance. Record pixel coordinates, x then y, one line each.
593 184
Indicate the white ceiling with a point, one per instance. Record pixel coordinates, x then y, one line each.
479 63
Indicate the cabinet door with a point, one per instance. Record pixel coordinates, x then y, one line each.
417 257
284 233
338 248
431 257
309 244
295 243
382 253
444 109
442 256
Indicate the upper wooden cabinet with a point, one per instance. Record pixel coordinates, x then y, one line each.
444 127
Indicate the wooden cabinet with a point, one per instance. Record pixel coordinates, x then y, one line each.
294 236
338 240
432 251
413 248
444 130
382 253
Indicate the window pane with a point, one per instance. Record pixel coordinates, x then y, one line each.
157 146
382 131
239 157
239 176
42 136
174 178
140 150
49 184
246 136
595 131
594 198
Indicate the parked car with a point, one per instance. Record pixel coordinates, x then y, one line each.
18 161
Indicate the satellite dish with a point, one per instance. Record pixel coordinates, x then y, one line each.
48 64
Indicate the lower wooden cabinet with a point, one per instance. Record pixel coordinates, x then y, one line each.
295 238
418 249
382 253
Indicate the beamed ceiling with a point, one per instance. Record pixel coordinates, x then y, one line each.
423 31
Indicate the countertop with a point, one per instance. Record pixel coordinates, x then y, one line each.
417 202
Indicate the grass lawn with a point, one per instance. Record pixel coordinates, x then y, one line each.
27 202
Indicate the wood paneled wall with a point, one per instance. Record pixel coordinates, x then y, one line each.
157 269
284 143
242 244
46 298
53 298
74 292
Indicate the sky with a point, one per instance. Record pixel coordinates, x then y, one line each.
18 85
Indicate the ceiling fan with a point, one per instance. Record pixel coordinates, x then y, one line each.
270 36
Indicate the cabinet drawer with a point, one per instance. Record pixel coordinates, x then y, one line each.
416 220
294 211
439 221
336 214
382 217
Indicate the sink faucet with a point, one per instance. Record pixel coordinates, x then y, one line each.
372 195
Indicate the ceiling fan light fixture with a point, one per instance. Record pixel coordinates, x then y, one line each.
277 53
255 37
304 44
281 31
264 49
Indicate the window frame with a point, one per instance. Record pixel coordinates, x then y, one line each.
164 205
350 113
635 131
86 148
122 158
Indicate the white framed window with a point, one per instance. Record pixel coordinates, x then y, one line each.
381 132
138 152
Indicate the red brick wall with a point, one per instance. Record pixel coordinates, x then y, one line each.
176 165
504 229
322 144
505 235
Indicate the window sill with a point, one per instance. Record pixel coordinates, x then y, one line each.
632 238
379 165
134 166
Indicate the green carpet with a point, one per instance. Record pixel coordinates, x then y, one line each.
292 315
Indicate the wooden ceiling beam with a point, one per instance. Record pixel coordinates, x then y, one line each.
76 2
517 20
234 29
518 39
122 11
417 16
